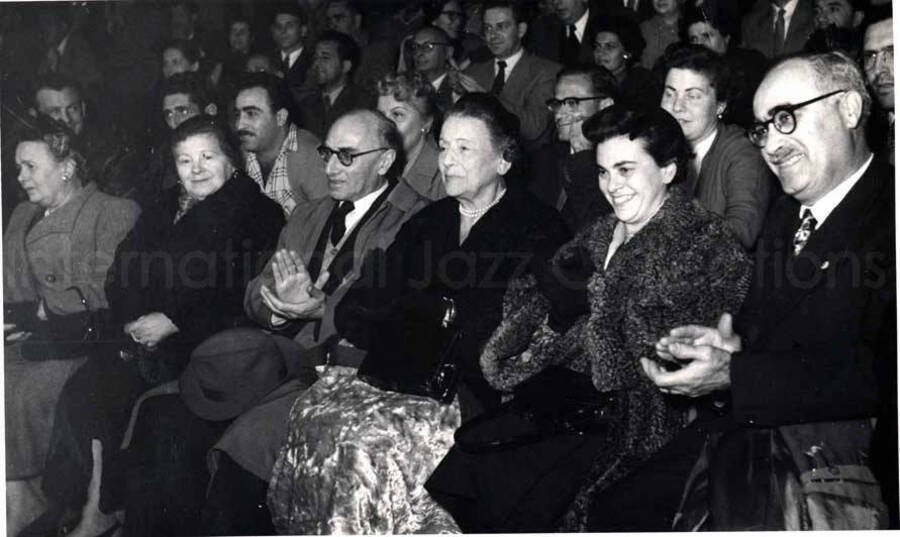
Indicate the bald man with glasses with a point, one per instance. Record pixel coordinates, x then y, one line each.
810 359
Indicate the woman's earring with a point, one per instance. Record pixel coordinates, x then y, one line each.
65 177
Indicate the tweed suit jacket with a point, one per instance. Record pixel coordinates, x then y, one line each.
72 246
735 183
423 176
301 233
758 28
525 94
306 171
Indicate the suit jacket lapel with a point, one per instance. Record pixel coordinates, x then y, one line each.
518 77
63 219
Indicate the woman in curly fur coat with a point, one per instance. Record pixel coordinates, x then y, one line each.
661 260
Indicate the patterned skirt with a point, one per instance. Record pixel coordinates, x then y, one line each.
356 459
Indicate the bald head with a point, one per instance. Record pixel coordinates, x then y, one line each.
825 143
356 132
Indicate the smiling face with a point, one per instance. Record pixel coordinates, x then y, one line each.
175 62
411 123
64 105
501 32
468 160
569 120
256 124
365 174
701 33
287 32
691 100
40 174
837 12
609 52
810 161
633 183
432 63
880 73
202 166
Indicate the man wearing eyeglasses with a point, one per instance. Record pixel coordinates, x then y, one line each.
811 356
431 53
564 174
281 157
878 63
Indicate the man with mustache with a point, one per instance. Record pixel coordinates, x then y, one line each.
877 60
811 357
281 157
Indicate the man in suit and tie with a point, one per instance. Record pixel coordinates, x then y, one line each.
878 63
521 80
431 53
289 32
812 354
335 59
565 36
777 28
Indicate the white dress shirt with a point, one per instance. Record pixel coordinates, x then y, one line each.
827 203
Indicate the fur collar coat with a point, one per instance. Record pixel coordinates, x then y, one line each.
683 267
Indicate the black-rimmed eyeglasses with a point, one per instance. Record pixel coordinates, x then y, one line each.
570 102
344 155
783 119
427 46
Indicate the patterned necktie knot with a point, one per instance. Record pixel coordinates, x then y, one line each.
807 226
339 224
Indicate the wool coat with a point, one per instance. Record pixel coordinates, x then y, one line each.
683 267
735 183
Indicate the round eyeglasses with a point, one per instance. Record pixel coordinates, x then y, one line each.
783 119
344 155
571 102
427 46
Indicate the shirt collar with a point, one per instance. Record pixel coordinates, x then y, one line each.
292 57
333 94
436 83
361 206
581 25
510 62
61 48
822 208
789 8
702 147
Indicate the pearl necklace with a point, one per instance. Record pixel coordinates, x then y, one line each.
478 212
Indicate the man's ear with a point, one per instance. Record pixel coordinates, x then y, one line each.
386 161
211 109
522 28
281 117
858 18
851 107
32 112
346 65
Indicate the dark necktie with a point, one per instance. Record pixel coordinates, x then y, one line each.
807 226
500 79
570 51
326 102
338 225
778 47
285 63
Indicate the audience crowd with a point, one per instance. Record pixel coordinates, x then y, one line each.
448 266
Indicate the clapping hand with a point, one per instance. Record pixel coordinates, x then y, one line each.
704 354
295 295
467 84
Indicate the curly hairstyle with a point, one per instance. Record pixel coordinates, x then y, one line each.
502 125
209 125
59 139
657 129
703 61
628 32
410 87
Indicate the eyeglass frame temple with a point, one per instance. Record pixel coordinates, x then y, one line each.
790 108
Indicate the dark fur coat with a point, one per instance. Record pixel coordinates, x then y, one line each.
683 267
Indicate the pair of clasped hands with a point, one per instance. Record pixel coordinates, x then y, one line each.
295 295
703 357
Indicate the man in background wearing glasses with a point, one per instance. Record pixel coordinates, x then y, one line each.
811 356
878 63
